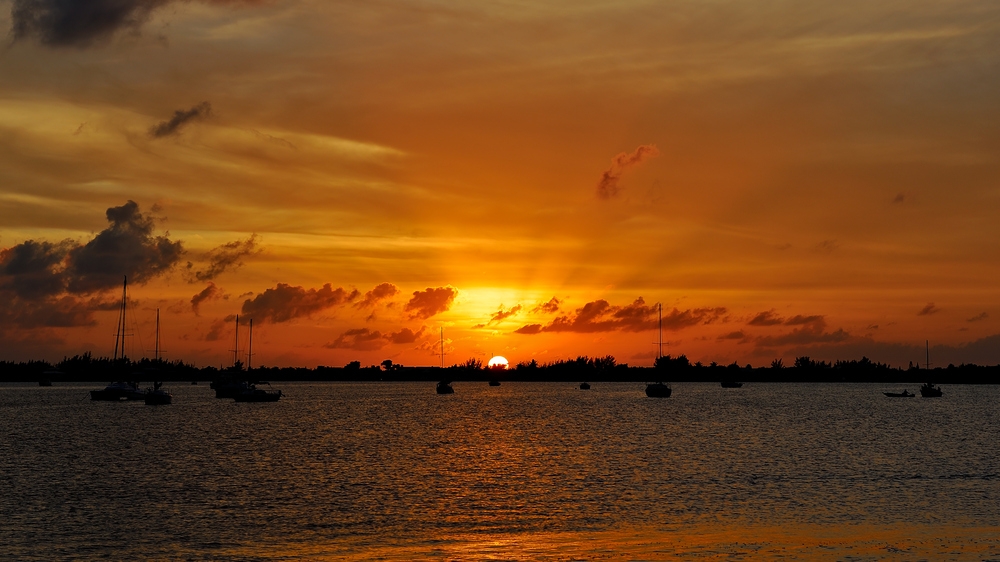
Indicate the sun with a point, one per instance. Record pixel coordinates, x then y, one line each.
498 362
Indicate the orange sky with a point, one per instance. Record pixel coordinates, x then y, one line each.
786 179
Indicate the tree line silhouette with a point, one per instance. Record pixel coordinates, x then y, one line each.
666 368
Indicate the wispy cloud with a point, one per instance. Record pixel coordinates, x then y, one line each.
181 118
607 186
226 257
601 316
928 310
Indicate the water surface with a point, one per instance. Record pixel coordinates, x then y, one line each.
524 471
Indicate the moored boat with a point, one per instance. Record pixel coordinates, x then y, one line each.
444 387
658 390
904 394
585 386
157 396
928 390
120 390
731 384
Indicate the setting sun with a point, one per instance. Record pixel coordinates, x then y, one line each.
498 362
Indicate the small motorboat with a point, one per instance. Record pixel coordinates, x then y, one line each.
904 394
658 390
731 384
928 390
157 396
254 394
494 383
585 386
444 387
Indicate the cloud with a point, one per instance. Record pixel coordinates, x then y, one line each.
41 283
766 318
406 335
126 248
732 336
363 339
285 302
33 270
173 125
429 302
211 292
982 316
360 339
500 315
381 292
601 316
550 307
81 23
928 310
607 187
812 330
215 330
228 256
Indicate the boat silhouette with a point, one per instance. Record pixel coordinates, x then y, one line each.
928 390
120 390
444 387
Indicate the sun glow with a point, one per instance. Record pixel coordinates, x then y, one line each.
498 362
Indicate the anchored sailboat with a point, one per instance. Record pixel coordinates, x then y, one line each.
120 390
251 393
658 389
157 396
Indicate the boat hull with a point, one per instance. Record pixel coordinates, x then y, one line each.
658 390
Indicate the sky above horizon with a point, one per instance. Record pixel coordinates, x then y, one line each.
530 179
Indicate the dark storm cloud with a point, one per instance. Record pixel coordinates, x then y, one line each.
285 302
81 23
37 269
127 247
607 186
226 257
601 316
430 301
34 269
77 23
181 117
41 283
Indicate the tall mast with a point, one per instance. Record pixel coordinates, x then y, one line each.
442 347
156 346
927 344
236 347
659 316
250 346
120 331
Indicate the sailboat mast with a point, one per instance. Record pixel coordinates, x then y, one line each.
120 331
927 348
659 315
250 346
156 346
236 346
442 347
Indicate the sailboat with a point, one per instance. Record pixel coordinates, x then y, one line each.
928 390
119 390
233 380
157 396
251 393
658 389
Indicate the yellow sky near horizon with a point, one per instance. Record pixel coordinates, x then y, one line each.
829 162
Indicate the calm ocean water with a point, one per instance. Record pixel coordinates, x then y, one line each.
524 471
